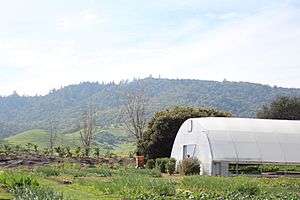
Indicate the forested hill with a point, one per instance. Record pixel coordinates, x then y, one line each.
20 113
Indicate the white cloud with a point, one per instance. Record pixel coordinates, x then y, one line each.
261 46
65 24
83 20
226 16
88 18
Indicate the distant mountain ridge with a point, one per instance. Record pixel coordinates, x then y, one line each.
21 113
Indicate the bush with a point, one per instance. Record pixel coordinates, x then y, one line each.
170 165
189 166
150 164
160 163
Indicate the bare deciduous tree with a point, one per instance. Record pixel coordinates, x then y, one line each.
87 129
52 136
135 113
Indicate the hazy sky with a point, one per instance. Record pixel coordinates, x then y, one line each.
45 44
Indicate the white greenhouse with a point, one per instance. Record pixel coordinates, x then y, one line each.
219 142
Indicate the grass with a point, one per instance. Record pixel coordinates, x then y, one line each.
129 186
72 191
40 137
155 173
36 136
47 171
5 195
44 193
105 183
253 188
100 171
124 149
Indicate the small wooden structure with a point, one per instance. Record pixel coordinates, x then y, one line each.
139 161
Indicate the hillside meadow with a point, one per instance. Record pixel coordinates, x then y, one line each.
114 140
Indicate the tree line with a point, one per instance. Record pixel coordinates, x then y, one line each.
22 113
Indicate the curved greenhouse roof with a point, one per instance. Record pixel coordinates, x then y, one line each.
238 140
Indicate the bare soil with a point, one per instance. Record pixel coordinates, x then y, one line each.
33 161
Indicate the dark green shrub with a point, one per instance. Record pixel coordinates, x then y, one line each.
68 152
189 166
97 152
160 163
60 150
150 164
170 165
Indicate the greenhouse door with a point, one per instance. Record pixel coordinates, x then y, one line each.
189 150
217 169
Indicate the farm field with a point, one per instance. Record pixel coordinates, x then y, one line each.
74 181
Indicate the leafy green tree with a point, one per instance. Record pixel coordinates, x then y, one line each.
68 151
162 129
7 149
78 152
47 152
35 147
60 150
29 145
18 149
283 107
97 152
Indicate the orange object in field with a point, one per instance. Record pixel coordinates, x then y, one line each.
139 160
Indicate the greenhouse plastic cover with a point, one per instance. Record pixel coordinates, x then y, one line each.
252 140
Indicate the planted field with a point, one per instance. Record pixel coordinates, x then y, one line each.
74 181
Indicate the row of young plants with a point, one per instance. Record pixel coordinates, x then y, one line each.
203 187
79 170
131 183
7 149
134 183
258 169
241 187
25 186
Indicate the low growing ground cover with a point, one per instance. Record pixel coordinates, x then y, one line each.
74 181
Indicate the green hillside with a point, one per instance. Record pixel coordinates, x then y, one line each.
40 137
66 105
37 136
119 142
